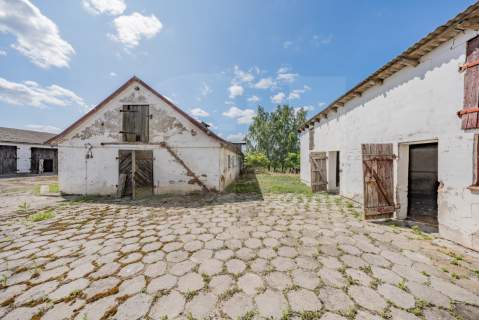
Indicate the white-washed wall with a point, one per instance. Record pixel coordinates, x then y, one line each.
99 175
416 104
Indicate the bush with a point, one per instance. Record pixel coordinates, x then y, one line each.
256 160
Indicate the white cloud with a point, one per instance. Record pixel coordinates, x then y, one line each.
131 29
43 128
318 40
113 7
30 93
321 104
278 98
113 74
305 108
264 83
296 94
37 37
236 137
287 44
235 90
287 77
242 116
205 90
198 112
242 76
3 53
253 99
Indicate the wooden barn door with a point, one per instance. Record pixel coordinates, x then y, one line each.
125 158
135 173
378 181
143 173
319 180
8 159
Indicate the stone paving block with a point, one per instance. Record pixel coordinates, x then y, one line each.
271 304
201 306
238 305
219 284
398 314
335 299
65 290
235 266
134 308
303 300
428 294
63 310
250 283
164 282
211 267
332 278
36 293
305 279
332 316
367 298
170 306
278 280
453 291
397 296
132 286
155 269
190 282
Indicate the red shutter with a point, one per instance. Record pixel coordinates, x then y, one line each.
470 112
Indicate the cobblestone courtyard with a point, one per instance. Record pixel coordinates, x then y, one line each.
230 256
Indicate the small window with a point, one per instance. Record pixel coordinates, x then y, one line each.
311 138
135 124
229 161
476 160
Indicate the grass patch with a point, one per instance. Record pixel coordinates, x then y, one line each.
42 215
269 183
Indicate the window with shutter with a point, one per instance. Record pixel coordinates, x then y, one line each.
135 123
311 138
470 112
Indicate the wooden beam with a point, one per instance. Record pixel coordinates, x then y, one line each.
413 62
377 81
357 94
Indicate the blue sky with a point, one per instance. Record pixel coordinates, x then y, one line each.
217 59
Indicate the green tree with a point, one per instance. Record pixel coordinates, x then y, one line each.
275 134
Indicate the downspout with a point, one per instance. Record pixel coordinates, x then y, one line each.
88 155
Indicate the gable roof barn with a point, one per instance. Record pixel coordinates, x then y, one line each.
133 79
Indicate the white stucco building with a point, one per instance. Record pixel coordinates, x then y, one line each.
404 142
25 151
137 141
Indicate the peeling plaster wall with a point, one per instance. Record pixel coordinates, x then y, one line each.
99 175
414 105
228 174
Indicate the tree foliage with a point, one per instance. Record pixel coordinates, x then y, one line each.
256 160
275 134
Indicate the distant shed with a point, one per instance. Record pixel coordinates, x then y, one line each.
25 151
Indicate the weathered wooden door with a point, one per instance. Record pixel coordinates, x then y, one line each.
125 158
319 180
143 173
135 124
378 181
470 112
8 159
135 173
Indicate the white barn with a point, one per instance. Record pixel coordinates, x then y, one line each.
26 152
137 142
404 142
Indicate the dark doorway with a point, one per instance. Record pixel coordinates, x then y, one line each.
423 183
135 173
44 160
8 160
338 171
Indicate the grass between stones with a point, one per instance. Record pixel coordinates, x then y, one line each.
41 216
269 183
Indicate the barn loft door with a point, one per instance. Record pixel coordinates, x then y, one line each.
135 123
470 112
378 181
319 175
8 159
135 173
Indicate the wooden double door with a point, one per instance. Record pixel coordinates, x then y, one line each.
135 173
8 160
